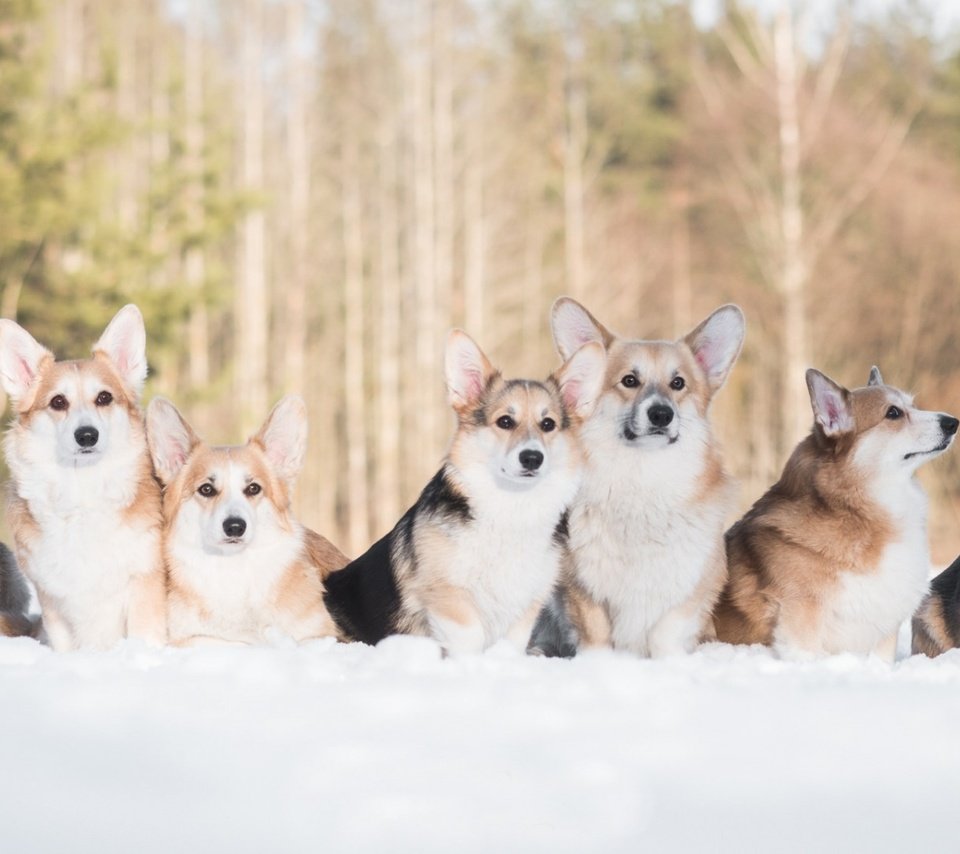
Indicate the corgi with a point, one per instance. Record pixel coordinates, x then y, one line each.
478 554
14 598
241 568
936 624
835 557
646 560
84 506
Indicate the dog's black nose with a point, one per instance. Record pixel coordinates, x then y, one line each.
86 436
234 526
660 415
531 460
949 424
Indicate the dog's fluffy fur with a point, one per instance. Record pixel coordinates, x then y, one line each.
834 557
936 625
241 568
14 598
84 506
646 530
477 556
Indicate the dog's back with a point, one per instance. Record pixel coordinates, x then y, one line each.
936 625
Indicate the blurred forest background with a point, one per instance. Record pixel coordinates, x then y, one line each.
304 195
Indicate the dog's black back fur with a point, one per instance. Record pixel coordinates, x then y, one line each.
364 598
946 587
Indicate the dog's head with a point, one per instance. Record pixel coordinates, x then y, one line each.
653 389
75 412
218 498
521 430
878 424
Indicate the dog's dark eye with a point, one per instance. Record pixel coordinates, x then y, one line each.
630 381
505 422
104 398
207 490
548 425
58 402
894 412
252 489
678 383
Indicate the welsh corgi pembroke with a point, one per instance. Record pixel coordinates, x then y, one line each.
646 529
936 625
835 557
84 505
478 554
14 598
241 568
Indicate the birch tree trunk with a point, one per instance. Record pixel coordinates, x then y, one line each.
252 306
298 166
574 152
358 532
198 339
793 268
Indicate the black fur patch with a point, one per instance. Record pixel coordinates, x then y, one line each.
561 534
363 598
946 587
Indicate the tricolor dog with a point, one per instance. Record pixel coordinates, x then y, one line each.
14 598
936 625
835 557
84 505
241 568
478 554
646 529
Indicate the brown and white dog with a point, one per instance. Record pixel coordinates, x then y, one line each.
478 554
936 625
14 598
646 529
84 506
241 568
835 557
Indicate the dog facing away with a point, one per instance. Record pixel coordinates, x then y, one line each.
84 506
478 554
835 557
241 568
936 625
646 560
14 598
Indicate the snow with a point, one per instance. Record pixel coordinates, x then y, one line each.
328 747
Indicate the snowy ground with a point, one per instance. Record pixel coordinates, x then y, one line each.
329 748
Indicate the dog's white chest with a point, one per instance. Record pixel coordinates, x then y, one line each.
236 593
506 558
870 606
641 539
85 559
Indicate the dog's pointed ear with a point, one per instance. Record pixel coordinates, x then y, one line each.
831 404
21 358
468 371
573 326
580 379
875 378
124 342
717 342
283 436
170 438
